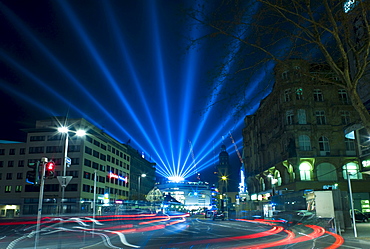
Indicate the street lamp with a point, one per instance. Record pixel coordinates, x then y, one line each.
63 182
139 183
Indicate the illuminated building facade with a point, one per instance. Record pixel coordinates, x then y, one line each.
196 196
296 139
98 164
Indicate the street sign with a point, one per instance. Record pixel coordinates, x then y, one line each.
64 180
68 160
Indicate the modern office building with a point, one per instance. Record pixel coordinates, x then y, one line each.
296 139
98 168
195 196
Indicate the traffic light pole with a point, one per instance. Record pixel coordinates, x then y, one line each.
41 197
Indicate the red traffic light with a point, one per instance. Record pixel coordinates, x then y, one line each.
50 166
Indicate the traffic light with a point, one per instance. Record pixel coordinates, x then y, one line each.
49 169
33 176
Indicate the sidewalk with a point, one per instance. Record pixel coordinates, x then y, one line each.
363 232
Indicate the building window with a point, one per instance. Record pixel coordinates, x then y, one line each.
305 169
12 152
2 151
87 175
36 150
87 163
302 116
22 151
8 189
9 176
317 95
10 163
55 137
74 148
324 146
88 150
19 175
37 138
289 116
18 188
54 149
326 172
352 170
96 154
320 117
287 94
20 163
304 143
89 139
343 97
75 161
97 143
299 93
344 115
1 164
350 145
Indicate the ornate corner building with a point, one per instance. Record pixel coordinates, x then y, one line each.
296 140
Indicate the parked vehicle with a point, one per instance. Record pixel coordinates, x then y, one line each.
359 216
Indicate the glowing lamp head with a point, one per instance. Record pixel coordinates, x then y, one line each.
63 129
81 133
176 178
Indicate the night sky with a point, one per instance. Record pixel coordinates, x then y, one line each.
123 66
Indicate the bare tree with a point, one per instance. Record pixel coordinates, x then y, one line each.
335 33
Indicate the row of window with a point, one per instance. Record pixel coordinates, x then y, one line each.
22 151
69 188
102 191
21 163
20 175
60 148
304 142
317 95
319 115
107 158
118 180
108 148
296 73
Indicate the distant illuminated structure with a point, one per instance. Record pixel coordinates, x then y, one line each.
196 196
223 170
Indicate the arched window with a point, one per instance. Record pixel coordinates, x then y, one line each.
262 184
352 170
305 169
277 177
326 172
304 142
324 146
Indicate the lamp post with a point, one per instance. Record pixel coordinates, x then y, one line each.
64 130
351 200
139 183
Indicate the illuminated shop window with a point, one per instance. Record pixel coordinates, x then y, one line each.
305 169
353 171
